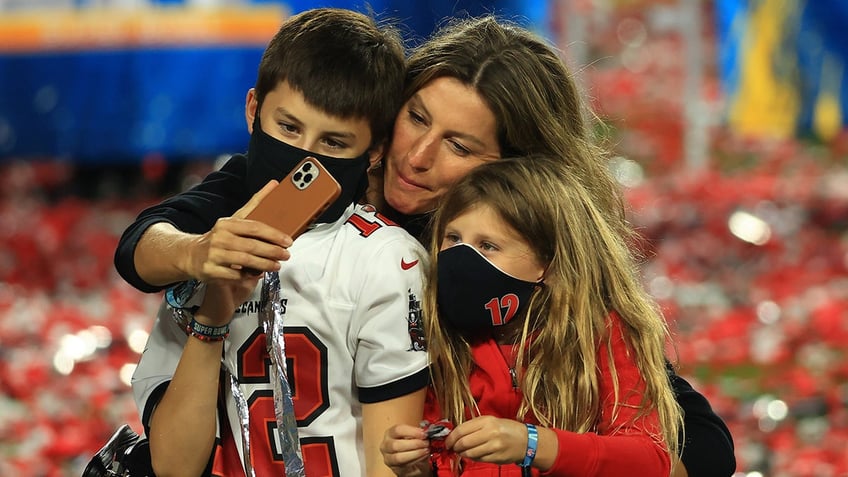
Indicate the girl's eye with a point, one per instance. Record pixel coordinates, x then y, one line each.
488 247
452 238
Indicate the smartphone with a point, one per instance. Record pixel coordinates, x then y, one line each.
298 199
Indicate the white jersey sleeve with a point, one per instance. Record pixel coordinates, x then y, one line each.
158 362
390 353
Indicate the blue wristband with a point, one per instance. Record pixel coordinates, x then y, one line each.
532 445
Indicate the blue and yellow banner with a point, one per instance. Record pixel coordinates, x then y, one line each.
783 66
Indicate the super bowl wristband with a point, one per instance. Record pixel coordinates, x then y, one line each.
532 445
206 332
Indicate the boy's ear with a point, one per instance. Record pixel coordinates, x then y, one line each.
250 105
375 155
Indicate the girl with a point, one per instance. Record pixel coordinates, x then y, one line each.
546 352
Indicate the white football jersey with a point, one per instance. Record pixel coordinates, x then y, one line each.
350 296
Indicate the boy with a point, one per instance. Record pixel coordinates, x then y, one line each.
328 86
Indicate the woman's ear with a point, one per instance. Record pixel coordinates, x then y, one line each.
375 156
250 105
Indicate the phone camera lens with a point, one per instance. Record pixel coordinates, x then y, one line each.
297 176
307 178
307 167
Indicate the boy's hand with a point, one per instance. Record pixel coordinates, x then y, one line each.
489 439
406 450
236 247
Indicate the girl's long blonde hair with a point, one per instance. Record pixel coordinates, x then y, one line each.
591 273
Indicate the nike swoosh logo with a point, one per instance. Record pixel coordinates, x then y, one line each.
407 265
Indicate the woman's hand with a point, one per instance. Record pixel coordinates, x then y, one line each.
406 451
489 439
235 246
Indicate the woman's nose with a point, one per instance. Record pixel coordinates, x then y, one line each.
423 152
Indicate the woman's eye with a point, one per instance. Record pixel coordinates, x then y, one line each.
459 149
415 117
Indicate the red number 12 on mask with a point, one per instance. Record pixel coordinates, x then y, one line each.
495 307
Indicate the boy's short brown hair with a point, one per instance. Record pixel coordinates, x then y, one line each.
343 62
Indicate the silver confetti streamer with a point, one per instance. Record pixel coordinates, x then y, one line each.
271 317
244 422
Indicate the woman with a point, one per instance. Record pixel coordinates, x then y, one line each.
478 90
543 351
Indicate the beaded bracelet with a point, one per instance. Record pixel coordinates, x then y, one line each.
206 332
532 445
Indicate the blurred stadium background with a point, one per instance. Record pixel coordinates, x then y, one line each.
727 119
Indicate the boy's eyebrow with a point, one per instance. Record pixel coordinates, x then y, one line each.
341 134
290 117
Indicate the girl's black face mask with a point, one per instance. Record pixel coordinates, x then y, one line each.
474 295
269 158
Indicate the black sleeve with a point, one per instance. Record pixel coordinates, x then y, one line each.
195 211
706 440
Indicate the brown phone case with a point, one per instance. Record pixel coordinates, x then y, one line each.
298 199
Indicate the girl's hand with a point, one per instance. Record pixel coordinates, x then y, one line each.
406 450
489 439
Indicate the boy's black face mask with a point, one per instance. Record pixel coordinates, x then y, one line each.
269 158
